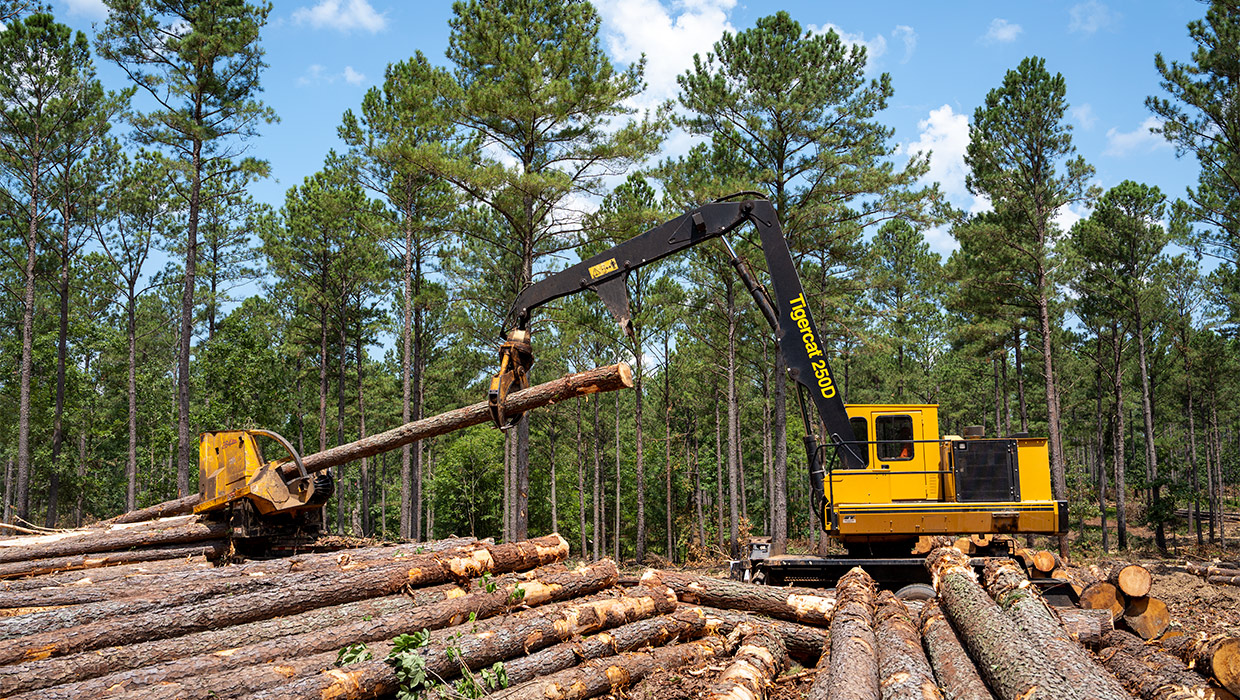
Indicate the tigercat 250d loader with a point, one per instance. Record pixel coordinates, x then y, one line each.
884 475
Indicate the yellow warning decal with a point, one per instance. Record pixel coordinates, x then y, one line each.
602 268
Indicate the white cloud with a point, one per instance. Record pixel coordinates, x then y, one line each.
945 135
1067 217
317 74
352 77
1002 31
906 34
1121 143
1089 17
874 48
342 15
668 36
1084 115
89 8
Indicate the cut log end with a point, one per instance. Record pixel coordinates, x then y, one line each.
1146 617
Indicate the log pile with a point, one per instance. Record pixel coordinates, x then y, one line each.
1219 573
1124 591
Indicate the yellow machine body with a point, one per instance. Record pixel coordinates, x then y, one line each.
231 467
916 482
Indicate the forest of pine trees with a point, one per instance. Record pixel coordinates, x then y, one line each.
386 275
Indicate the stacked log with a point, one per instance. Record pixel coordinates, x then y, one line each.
1217 573
853 665
1150 672
1217 657
904 670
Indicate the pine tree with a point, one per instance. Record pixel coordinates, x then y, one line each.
199 61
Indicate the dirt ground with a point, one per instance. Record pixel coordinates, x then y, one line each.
1195 605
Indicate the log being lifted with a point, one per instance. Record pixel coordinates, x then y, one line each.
1217 657
1149 671
953 669
904 671
759 657
854 657
1013 666
1008 585
807 606
302 592
601 379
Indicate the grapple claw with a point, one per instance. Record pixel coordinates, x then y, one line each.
516 356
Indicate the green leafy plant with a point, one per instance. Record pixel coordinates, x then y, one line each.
517 595
410 667
353 653
488 582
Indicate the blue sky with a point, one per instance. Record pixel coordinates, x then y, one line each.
943 58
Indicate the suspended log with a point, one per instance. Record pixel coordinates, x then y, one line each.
685 623
614 673
953 669
854 658
209 549
1217 657
904 671
808 606
1102 595
1009 587
179 506
804 643
1012 665
1146 617
1133 580
448 653
118 537
1086 626
1149 671
209 675
299 592
759 657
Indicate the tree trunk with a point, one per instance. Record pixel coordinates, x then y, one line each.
718 473
1011 664
685 623
314 590
695 467
406 471
1100 448
360 353
667 449
734 544
1133 579
555 512
759 657
954 670
1151 450
323 385
1217 657
27 359
613 674
599 516
1121 489
779 461
8 491
419 396
640 461
521 480
180 506
615 535
435 612
1101 595
341 484
1059 484
1011 590
854 662
1020 382
904 671
807 606
62 350
184 447
581 483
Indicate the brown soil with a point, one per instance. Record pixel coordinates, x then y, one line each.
1195 605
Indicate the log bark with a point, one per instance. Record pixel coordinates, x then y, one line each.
1103 596
808 606
953 669
821 685
179 506
210 549
534 630
1226 570
1086 626
1217 657
1133 580
685 623
90 576
299 593
611 674
34 675
759 657
904 671
803 643
1009 587
1222 580
1148 671
1146 617
193 676
854 654
118 537
1011 664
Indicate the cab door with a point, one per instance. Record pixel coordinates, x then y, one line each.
898 452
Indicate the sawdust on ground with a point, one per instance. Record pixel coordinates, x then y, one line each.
680 684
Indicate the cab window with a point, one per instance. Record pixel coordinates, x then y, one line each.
861 431
895 437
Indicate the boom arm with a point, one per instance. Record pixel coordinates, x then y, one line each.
799 341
